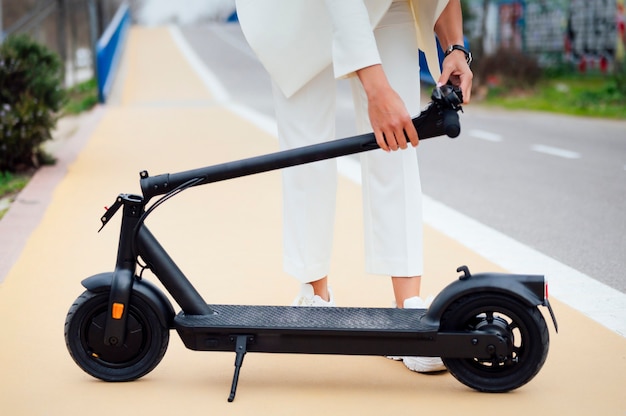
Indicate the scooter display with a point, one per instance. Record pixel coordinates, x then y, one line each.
486 327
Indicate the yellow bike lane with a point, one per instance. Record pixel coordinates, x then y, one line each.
226 238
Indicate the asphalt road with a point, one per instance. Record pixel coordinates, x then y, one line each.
554 183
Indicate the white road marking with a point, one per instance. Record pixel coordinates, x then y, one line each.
600 302
555 151
485 135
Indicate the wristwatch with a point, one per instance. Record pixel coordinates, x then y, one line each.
468 54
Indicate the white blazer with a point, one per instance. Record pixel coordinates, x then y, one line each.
296 39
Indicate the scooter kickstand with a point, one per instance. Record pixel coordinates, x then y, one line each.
240 350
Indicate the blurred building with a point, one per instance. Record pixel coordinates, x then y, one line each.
589 34
72 27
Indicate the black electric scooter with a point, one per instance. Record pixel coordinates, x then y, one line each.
486 327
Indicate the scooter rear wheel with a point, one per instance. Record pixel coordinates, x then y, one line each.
144 346
523 328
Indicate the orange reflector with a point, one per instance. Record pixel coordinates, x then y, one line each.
117 311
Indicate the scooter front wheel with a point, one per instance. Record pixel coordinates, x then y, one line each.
145 342
521 326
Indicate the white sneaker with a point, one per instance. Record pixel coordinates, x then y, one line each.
420 364
424 364
308 298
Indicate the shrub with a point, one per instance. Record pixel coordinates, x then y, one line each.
31 95
508 68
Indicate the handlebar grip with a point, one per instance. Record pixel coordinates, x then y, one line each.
451 124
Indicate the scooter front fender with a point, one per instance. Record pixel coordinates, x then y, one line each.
529 289
146 290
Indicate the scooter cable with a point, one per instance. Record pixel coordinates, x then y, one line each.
190 183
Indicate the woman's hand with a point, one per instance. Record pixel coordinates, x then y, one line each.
449 29
388 115
456 70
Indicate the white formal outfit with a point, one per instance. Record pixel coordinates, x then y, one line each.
305 45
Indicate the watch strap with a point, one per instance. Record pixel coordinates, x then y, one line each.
468 54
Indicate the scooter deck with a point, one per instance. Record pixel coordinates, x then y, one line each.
347 331
311 330
308 318
369 331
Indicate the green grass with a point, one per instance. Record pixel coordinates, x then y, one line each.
81 97
579 95
10 185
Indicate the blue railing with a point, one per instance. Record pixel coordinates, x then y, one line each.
109 50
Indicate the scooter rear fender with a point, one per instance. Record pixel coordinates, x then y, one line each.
146 290
529 289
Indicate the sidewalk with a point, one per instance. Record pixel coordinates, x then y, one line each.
226 238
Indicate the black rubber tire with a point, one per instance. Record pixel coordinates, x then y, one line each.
524 327
144 347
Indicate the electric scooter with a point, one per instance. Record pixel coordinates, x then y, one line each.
487 327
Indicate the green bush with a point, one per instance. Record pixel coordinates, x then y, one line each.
31 95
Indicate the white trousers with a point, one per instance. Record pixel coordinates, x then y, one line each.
392 201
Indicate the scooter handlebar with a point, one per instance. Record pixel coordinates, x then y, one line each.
439 118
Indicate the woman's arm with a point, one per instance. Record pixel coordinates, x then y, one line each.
355 51
449 30
388 115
